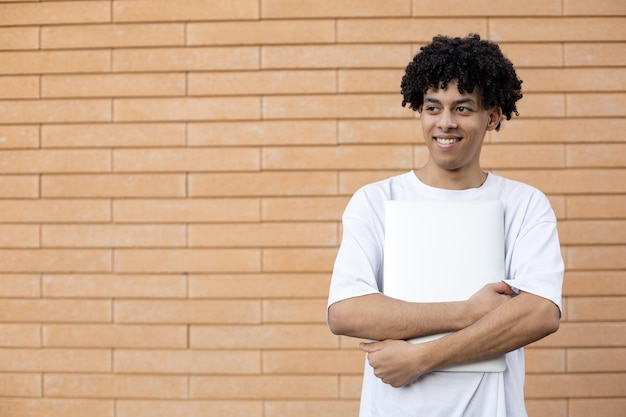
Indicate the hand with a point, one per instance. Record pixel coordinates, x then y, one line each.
487 299
394 361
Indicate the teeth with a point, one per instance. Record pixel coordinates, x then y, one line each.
446 141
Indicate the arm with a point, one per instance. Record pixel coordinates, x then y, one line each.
377 317
514 324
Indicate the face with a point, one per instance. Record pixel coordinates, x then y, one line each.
454 126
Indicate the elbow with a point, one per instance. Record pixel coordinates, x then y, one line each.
337 320
551 318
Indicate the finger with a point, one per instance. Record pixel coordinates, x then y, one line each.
369 347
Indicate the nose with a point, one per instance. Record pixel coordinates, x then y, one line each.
446 120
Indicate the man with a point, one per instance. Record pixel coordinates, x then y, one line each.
462 88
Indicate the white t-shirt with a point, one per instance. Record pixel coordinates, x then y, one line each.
533 263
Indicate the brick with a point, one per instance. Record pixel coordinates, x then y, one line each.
52 210
118 135
404 30
114 286
47 311
54 13
311 408
379 131
19 87
185 59
369 81
263 387
189 408
595 206
19 236
266 132
586 335
545 360
575 385
335 56
187 210
20 335
573 79
55 360
55 111
54 62
350 387
564 29
114 386
594 54
600 104
19 285
16 38
326 8
568 130
297 260
113 85
259 285
596 360
263 32
522 156
572 232
262 82
596 309
187 159
57 407
595 257
588 283
334 106
53 161
263 235
114 336
114 185
276 336
19 137
316 362
19 186
303 208
112 36
542 105
571 181
188 311
607 155
113 236
583 8
160 10
187 260
182 109
524 55
55 260
295 311
20 385
603 407
547 408
292 183
350 181
336 157
436 8
191 362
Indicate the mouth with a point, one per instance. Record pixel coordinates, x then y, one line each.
446 141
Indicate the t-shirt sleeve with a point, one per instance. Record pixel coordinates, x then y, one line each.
358 263
537 264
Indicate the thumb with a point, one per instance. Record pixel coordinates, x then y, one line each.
369 347
504 288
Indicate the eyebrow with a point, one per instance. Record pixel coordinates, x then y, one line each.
456 102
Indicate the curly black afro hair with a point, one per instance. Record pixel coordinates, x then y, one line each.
473 63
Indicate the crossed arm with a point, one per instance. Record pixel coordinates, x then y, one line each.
490 323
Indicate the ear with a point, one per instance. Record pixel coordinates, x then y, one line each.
494 118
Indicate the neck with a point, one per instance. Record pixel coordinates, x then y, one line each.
451 180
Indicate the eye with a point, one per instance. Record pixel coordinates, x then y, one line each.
463 109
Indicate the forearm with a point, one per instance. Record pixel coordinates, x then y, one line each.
377 317
518 322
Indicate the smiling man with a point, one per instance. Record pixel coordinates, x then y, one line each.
462 88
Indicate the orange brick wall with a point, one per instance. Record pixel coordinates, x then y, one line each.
173 175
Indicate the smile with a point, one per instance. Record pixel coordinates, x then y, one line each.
446 141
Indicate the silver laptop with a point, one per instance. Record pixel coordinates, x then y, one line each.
438 251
